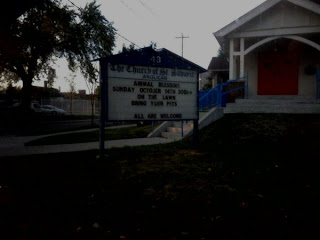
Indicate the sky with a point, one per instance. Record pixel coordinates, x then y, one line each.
164 22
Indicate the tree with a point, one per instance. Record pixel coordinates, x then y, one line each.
130 48
12 93
72 88
52 30
2 86
92 86
222 54
153 45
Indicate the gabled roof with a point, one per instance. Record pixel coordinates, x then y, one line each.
150 57
218 64
307 4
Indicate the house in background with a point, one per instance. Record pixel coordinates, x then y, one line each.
277 45
218 72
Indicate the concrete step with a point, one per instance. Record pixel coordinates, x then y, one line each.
172 130
275 108
178 129
170 135
186 124
280 101
202 114
275 104
272 110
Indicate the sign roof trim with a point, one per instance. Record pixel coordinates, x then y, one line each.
143 56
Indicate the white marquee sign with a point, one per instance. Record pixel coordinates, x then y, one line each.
151 93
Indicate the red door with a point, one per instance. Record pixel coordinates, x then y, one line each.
278 74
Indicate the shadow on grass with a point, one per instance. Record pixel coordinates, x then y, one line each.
251 178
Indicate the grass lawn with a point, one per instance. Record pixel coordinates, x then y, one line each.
254 176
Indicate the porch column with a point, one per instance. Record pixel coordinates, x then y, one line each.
241 57
231 59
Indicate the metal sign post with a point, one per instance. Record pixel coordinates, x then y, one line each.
103 105
196 121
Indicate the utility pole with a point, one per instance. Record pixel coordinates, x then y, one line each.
182 37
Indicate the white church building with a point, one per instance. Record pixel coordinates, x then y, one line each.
277 46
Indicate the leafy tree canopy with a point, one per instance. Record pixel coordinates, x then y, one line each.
130 48
51 30
221 53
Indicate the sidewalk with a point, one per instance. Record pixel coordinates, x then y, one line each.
14 146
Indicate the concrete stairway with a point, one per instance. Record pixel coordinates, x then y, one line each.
173 129
273 104
278 104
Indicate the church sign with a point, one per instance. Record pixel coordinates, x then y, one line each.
151 93
148 85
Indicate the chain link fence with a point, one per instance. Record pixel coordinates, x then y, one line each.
75 106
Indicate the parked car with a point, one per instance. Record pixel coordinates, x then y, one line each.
34 106
52 110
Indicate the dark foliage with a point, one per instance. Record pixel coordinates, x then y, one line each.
50 30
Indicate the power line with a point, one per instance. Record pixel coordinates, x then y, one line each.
146 6
128 40
130 8
115 29
74 5
182 37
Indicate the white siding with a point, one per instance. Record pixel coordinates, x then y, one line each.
284 16
307 83
251 67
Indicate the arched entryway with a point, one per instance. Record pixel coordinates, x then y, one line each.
278 66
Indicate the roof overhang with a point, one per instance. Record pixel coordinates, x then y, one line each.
221 34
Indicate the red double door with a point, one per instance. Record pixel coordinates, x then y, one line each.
278 74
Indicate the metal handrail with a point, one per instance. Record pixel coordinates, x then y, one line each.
317 84
217 96
224 94
208 99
